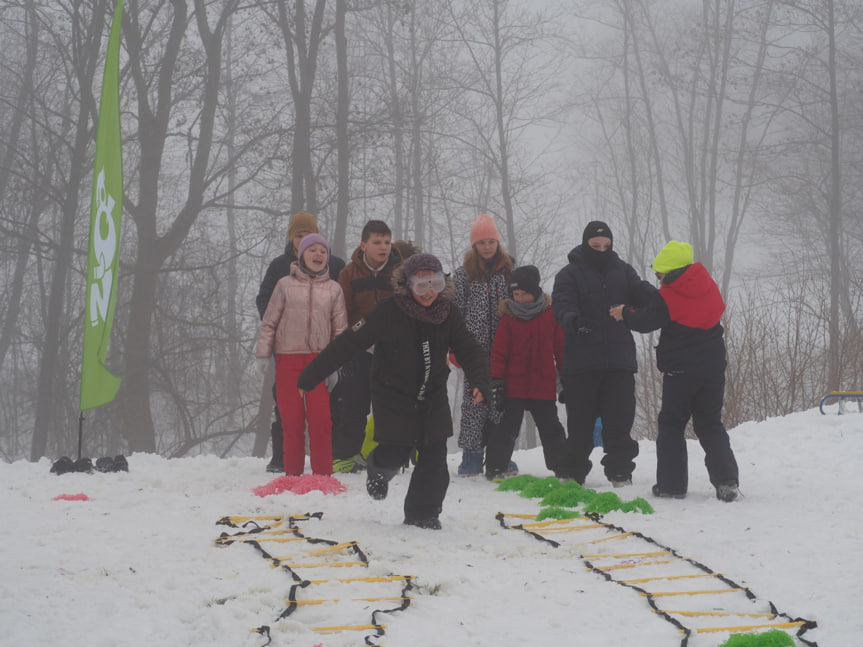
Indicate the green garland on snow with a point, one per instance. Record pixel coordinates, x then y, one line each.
773 638
559 500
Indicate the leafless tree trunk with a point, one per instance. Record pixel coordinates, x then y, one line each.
302 39
343 148
46 421
155 248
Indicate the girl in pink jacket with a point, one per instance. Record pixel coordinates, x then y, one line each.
305 313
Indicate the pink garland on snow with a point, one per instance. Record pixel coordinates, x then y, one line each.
301 485
71 497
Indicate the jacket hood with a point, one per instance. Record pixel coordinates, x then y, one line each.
693 298
400 286
503 306
691 282
300 275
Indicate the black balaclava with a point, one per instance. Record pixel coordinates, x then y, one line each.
594 229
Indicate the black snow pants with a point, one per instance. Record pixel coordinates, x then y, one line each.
700 397
611 395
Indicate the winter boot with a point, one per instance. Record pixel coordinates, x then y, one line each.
432 523
378 478
620 480
63 465
275 465
727 492
348 465
471 463
84 465
105 464
662 494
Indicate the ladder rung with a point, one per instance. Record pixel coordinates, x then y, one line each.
615 567
318 565
715 613
325 600
626 555
666 577
337 628
782 625
670 593
618 536
387 578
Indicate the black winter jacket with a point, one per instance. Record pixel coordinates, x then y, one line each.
687 308
580 300
398 368
279 268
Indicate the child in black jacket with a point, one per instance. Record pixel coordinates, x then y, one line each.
412 332
691 355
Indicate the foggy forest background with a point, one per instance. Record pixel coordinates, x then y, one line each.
733 124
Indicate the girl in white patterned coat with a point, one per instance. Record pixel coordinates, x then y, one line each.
305 313
480 283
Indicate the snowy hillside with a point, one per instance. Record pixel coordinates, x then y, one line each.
137 564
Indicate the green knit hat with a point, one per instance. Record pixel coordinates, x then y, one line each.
673 256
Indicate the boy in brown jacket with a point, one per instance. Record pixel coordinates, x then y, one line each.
365 281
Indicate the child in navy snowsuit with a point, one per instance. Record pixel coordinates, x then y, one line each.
525 355
691 356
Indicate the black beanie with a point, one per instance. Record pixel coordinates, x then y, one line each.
596 228
526 278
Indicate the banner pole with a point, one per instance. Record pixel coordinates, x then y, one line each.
80 433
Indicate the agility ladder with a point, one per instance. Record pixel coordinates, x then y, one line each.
682 591
314 557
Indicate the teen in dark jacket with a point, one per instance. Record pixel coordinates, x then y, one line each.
411 333
691 356
599 362
300 225
366 280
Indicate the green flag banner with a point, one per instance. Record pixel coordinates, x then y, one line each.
98 384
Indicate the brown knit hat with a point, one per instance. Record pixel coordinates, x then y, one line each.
301 221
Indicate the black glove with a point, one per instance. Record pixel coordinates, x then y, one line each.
561 397
583 325
498 399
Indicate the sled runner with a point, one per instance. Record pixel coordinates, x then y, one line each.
840 397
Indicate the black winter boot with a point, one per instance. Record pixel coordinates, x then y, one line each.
378 478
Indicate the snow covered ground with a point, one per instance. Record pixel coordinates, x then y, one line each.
136 564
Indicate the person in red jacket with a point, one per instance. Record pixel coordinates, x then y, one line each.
691 355
525 356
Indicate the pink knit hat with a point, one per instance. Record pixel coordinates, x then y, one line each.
483 227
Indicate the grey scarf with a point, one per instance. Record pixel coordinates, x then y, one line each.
527 311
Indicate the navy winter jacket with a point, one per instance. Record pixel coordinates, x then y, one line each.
580 300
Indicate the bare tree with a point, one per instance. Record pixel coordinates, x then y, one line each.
90 29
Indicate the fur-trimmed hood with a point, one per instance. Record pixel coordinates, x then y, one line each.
503 306
400 285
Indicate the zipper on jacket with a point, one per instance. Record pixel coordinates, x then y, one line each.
309 320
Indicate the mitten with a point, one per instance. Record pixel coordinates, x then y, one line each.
498 399
263 364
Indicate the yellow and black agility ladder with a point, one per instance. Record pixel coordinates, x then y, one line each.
316 558
682 591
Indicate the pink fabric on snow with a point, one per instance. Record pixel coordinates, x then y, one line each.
301 485
71 497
